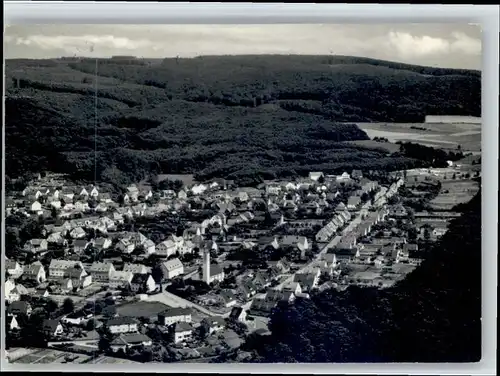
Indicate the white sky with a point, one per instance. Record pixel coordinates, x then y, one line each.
443 45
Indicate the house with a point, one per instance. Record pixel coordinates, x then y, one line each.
36 245
120 279
125 246
175 315
142 283
182 332
102 243
19 308
228 298
36 207
293 287
77 233
35 272
13 268
247 289
57 238
345 177
65 284
10 291
59 268
79 278
132 192
346 255
306 282
11 323
149 246
316 176
238 314
166 248
80 245
105 198
213 324
101 271
82 206
128 341
136 268
52 328
172 268
122 325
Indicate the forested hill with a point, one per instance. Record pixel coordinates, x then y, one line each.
230 116
434 315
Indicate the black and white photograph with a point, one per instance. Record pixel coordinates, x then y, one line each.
251 193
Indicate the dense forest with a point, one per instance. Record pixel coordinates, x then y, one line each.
241 117
434 315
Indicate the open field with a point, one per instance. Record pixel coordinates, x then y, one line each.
447 136
453 193
141 309
46 356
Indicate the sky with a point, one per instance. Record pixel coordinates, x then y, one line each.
441 45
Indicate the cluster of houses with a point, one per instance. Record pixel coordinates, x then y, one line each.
90 219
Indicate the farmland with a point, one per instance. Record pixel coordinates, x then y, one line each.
453 193
447 136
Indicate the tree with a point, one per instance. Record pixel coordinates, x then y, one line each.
68 305
427 234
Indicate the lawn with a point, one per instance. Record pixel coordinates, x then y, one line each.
141 309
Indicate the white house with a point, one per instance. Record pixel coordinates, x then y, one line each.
175 315
77 233
120 279
125 246
182 332
13 268
36 207
101 271
59 268
166 248
172 268
122 325
35 272
142 283
36 245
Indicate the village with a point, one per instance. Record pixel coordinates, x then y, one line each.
188 273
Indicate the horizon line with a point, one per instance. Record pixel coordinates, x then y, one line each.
109 57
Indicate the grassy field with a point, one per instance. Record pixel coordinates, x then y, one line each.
453 193
141 309
447 136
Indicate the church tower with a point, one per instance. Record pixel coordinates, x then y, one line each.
206 266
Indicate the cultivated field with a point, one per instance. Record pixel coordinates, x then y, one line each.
453 193
447 136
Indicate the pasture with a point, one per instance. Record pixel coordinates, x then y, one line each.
453 193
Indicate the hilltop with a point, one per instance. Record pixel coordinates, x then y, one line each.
243 117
